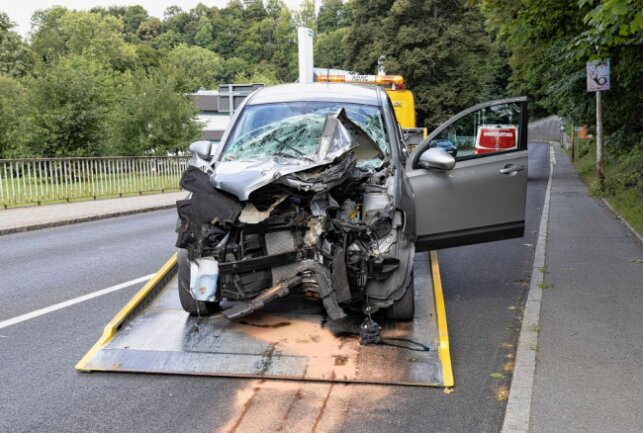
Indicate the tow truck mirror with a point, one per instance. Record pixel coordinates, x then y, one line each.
436 157
202 149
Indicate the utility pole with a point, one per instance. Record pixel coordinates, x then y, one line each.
600 151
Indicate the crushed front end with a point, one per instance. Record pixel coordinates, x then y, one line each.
317 219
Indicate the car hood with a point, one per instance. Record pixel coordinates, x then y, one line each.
339 136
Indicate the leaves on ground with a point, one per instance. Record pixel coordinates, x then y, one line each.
502 393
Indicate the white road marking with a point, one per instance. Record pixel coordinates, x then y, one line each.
70 302
518 410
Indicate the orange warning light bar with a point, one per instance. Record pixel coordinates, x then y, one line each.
331 78
397 81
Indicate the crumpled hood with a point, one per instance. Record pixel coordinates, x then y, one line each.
241 178
339 136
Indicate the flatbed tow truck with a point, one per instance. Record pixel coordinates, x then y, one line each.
152 334
288 339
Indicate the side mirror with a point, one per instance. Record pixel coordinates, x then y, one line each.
201 149
435 157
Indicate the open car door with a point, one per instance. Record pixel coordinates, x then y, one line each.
479 195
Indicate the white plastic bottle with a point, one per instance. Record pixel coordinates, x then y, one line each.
204 273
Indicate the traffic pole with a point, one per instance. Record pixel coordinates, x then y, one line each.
600 163
573 142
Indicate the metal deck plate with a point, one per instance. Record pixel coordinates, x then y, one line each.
288 339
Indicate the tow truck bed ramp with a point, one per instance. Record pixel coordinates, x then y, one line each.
288 339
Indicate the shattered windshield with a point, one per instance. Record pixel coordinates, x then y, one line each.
293 130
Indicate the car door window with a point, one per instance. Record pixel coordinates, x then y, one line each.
481 197
487 131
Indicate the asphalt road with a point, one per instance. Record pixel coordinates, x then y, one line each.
485 287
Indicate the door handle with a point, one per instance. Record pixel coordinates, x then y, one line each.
512 169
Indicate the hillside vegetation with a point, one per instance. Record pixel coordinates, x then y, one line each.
112 80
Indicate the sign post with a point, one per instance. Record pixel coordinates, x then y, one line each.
573 142
598 80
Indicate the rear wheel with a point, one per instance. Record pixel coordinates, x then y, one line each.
404 308
188 303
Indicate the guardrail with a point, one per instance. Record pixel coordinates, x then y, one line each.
47 180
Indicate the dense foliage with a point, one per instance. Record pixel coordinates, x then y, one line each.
112 80
440 47
549 42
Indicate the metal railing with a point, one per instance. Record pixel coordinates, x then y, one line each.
50 180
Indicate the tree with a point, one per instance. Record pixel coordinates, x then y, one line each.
227 28
274 8
149 59
231 68
192 68
328 48
133 17
333 15
149 29
204 33
305 16
151 118
284 55
47 36
59 32
254 10
549 43
71 99
5 23
264 73
168 40
612 23
16 58
16 126
441 48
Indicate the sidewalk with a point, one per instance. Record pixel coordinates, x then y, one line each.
37 217
589 372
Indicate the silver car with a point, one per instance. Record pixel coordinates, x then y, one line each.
312 193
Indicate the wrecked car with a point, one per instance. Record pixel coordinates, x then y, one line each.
312 193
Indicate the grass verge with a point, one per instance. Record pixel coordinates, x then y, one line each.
623 179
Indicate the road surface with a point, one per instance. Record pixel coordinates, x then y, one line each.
485 287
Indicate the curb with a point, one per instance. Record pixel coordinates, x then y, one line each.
65 222
623 220
518 411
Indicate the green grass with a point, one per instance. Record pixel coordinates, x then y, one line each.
623 179
29 191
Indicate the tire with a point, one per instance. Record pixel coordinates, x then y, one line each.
404 308
188 303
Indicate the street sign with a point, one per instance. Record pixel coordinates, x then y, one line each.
598 75
598 80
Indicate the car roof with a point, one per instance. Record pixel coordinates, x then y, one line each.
323 92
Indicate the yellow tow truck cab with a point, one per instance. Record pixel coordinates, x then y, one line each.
402 99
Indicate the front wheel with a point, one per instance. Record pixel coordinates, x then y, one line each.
188 303
404 308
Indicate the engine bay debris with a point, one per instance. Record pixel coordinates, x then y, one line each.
305 207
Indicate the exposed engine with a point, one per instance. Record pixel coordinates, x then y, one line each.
331 231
